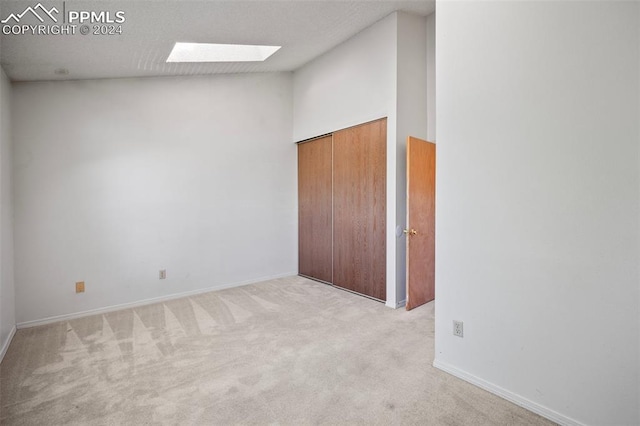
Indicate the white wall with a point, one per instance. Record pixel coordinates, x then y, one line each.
352 84
539 203
431 77
117 179
411 113
7 301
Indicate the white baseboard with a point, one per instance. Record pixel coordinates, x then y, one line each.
7 342
394 305
508 395
74 315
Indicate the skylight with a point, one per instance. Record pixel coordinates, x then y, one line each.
210 52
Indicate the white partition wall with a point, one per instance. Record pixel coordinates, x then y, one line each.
538 207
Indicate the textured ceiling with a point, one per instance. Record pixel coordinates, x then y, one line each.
305 29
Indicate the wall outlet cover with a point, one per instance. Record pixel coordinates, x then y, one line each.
458 328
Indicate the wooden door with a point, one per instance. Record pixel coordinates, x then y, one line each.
315 209
420 233
359 208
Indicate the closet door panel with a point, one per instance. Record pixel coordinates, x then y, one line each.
359 208
315 209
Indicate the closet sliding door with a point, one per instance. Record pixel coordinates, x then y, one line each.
359 208
315 209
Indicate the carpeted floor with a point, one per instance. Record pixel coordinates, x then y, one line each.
289 351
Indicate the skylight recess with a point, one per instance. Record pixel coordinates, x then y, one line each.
211 52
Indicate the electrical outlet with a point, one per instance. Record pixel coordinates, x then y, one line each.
458 329
163 274
80 287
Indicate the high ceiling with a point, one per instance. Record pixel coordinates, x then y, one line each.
304 29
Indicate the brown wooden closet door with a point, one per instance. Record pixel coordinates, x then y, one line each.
314 211
359 208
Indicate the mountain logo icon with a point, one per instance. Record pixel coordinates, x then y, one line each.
43 11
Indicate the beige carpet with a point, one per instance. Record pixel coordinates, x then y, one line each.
288 351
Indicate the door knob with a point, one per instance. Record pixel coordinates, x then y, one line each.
410 232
